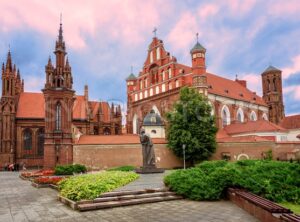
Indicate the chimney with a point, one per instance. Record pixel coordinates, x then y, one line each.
242 82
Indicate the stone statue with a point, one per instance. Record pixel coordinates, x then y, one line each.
149 165
147 150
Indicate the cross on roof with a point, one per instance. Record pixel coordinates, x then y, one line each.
197 35
60 18
154 31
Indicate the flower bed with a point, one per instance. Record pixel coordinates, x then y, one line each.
48 180
38 173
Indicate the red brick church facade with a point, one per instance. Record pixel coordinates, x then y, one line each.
158 84
40 128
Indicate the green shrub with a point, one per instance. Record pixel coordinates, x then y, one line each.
90 186
277 181
70 169
122 168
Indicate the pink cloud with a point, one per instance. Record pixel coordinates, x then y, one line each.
183 34
124 20
208 10
284 8
292 90
253 82
293 68
240 7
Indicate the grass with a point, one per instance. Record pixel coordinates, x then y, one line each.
293 207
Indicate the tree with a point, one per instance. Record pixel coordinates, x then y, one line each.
192 124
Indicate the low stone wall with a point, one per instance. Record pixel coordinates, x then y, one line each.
108 156
102 156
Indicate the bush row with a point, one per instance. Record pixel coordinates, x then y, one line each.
122 168
274 180
70 169
90 186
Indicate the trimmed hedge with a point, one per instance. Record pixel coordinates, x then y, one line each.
122 168
90 186
276 181
70 169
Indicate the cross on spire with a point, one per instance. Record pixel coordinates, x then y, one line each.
154 31
131 69
60 18
197 36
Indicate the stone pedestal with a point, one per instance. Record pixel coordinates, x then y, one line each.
146 170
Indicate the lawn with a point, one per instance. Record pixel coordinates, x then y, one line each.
293 207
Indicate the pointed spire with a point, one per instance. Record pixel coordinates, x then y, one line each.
3 67
18 75
49 62
60 35
67 62
14 68
8 61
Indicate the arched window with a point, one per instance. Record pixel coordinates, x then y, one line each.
106 131
58 117
240 115
141 84
40 141
253 116
269 85
158 53
274 84
225 116
27 139
264 116
212 112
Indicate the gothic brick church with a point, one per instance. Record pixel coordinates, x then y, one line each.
158 84
40 128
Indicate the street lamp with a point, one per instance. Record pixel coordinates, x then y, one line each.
183 147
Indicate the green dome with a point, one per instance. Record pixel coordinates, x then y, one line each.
131 77
152 119
198 48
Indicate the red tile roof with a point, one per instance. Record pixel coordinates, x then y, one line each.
231 89
252 127
32 106
291 122
115 139
243 139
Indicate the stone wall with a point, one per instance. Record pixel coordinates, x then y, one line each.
113 155
108 156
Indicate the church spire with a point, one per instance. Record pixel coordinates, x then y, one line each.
60 48
8 61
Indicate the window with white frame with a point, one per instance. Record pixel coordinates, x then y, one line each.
141 95
253 116
170 85
240 115
151 92
163 87
264 116
146 93
177 83
156 89
225 114
170 73
141 84
163 75
135 97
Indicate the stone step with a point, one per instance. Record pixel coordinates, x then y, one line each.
132 192
133 196
119 203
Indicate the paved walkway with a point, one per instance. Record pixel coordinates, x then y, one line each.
19 201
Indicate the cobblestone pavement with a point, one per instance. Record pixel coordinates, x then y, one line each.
19 201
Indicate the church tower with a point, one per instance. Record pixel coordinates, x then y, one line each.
59 98
272 93
12 86
199 68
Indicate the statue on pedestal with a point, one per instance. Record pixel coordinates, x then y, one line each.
149 165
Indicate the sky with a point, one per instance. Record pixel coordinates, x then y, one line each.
105 38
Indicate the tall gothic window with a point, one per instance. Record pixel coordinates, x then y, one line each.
225 116
40 142
27 139
58 117
274 84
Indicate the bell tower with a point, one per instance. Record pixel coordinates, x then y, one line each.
199 67
12 86
59 98
272 93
